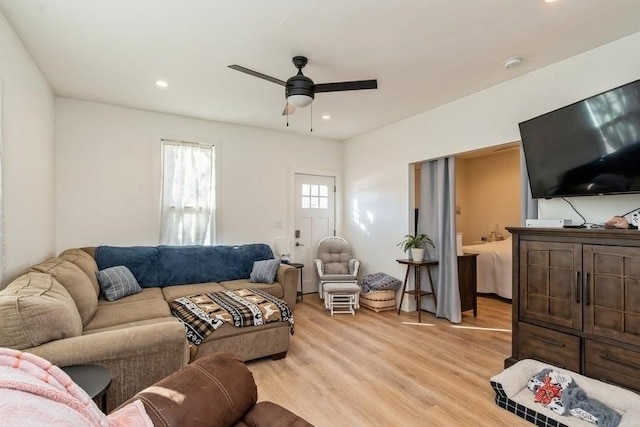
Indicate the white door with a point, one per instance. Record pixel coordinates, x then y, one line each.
315 219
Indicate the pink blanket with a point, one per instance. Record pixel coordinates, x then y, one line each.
36 393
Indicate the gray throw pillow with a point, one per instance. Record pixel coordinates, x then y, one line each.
117 282
264 271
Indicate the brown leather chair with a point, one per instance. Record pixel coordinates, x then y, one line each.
215 390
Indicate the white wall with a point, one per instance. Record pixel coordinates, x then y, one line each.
492 188
376 173
108 174
28 158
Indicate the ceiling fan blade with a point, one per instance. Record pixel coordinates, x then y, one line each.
340 86
257 74
288 109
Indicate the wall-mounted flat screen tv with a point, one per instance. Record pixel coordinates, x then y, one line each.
591 147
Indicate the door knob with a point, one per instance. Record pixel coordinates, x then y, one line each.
299 244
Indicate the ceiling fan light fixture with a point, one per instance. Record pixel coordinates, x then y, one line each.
299 100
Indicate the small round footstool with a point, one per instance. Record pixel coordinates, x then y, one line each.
341 297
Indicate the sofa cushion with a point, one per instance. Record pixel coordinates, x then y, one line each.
117 282
145 294
85 262
274 289
122 312
264 271
36 309
137 323
172 292
75 282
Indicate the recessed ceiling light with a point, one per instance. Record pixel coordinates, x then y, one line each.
549 1
162 83
326 117
512 62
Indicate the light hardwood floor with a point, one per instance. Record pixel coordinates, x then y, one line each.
371 369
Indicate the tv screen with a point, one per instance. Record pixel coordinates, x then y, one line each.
587 148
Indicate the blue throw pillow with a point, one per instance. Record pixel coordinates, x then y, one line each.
264 271
117 282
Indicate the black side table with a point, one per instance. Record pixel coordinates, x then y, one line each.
299 267
93 379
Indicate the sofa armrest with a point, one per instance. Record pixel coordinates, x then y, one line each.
137 356
215 390
269 414
287 276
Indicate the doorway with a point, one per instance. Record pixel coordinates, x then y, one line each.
315 218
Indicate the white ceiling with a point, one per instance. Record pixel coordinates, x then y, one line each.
423 53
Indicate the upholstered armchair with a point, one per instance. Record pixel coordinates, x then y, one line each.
335 263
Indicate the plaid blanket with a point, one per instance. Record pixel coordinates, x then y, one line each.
204 313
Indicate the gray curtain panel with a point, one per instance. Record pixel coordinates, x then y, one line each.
528 205
437 218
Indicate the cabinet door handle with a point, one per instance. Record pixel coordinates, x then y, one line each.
587 288
607 356
578 287
547 341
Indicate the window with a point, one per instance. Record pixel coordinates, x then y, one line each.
188 194
315 196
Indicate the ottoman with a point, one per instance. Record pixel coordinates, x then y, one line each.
341 297
379 300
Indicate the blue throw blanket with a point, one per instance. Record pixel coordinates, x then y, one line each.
159 266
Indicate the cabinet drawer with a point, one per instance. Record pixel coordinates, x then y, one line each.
547 345
612 364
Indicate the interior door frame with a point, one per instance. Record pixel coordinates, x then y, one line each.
292 198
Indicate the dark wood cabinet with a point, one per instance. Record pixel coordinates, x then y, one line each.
468 282
549 279
576 301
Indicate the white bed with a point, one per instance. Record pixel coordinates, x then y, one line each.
494 267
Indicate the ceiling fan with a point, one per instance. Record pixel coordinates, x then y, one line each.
300 89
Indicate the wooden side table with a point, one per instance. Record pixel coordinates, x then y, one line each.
418 293
93 379
299 267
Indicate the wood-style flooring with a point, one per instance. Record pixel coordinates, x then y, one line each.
372 369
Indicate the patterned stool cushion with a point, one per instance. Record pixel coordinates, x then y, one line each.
379 300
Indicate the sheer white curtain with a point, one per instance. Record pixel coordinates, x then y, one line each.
188 194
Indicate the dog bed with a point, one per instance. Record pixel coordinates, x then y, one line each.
513 395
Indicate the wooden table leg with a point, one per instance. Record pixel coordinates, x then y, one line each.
404 287
418 291
433 289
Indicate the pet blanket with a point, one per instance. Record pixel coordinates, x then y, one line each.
558 392
202 314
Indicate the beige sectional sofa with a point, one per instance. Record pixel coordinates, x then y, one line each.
55 310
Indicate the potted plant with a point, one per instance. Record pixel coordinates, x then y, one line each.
416 245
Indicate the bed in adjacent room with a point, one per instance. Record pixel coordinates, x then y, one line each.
494 267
